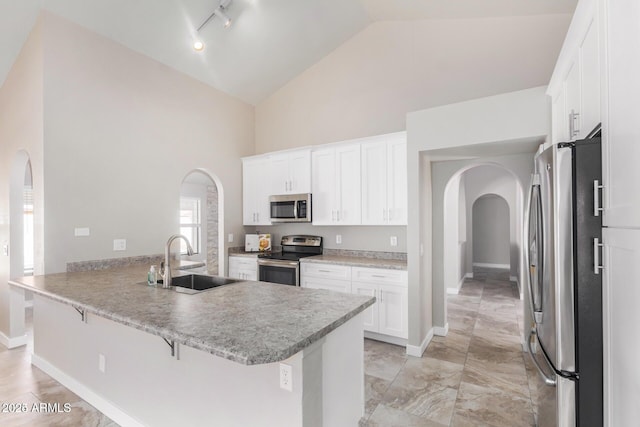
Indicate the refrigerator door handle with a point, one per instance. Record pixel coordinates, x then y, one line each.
548 381
596 256
533 218
596 198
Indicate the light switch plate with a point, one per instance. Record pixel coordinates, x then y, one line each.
393 241
119 244
82 231
230 238
338 239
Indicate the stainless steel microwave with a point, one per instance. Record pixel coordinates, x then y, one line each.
290 208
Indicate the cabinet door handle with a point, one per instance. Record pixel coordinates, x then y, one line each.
389 214
380 293
574 130
596 256
257 216
333 215
338 215
324 271
380 276
596 198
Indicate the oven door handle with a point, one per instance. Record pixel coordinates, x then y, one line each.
278 263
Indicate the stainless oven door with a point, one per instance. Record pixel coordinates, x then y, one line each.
279 271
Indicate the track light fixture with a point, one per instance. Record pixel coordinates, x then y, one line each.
198 45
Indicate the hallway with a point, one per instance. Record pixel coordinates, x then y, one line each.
475 376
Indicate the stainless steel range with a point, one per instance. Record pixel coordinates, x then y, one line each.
284 267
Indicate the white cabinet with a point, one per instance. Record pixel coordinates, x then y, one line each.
335 185
255 195
621 120
326 276
389 314
621 317
290 172
575 84
243 267
384 180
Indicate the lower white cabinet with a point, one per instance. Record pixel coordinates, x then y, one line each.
388 315
621 317
243 267
326 276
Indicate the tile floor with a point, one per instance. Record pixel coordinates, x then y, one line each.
475 376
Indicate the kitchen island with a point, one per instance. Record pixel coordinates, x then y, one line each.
154 356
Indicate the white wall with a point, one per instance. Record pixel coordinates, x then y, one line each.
116 121
510 118
369 84
491 231
21 111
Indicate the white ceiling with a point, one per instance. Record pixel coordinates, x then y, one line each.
268 44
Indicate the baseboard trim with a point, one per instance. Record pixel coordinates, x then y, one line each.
441 331
385 338
94 399
13 342
417 351
453 291
490 265
468 276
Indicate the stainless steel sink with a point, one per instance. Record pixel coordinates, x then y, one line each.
200 282
195 283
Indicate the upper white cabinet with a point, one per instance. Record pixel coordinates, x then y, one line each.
384 180
290 172
621 115
335 185
575 84
255 195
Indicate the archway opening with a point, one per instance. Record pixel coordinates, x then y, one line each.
201 219
491 249
464 187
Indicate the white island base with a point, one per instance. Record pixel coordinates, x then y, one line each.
144 385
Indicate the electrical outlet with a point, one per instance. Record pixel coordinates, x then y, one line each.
338 239
102 363
5 250
119 244
393 241
230 238
286 377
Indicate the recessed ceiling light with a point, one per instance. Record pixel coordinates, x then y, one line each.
198 46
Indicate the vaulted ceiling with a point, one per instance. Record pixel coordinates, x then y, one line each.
268 43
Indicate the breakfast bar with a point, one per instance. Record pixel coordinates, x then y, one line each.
147 355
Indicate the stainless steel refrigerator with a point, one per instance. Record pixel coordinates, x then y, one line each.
563 234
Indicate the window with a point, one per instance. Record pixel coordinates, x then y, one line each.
190 223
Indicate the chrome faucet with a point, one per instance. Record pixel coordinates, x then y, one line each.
166 270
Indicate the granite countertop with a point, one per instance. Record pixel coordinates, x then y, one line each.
245 254
247 322
356 261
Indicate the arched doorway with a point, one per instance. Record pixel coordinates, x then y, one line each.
202 219
21 249
490 219
462 190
